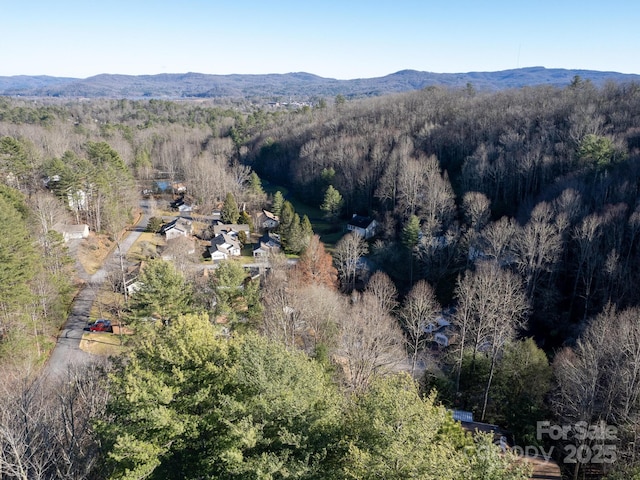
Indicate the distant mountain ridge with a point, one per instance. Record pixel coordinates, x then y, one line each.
288 85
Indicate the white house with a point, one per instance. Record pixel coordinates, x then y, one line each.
363 226
177 228
224 246
429 328
442 321
184 208
134 287
73 232
217 255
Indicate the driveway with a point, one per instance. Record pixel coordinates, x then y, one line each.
67 351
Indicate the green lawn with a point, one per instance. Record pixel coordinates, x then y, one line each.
329 233
271 188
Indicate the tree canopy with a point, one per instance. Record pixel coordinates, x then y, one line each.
191 403
17 268
163 293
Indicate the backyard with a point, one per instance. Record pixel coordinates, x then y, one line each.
329 233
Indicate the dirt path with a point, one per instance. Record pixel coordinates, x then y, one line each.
67 352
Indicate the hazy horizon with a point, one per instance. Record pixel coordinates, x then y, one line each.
341 40
314 74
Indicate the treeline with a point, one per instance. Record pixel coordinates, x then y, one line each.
520 209
191 403
35 280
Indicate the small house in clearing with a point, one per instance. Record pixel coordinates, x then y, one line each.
177 228
73 232
182 204
267 220
363 226
131 279
185 208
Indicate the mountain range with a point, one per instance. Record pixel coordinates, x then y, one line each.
282 87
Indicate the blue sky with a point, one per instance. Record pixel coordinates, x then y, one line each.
338 39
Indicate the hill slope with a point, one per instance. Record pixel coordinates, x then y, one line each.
283 86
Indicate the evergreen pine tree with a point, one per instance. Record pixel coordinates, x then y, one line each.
278 202
255 184
17 257
163 293
332 204
294 241
307 230
286 218
245 219
230 212
411 232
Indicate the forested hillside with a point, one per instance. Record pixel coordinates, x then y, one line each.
514 216
542 179
287 87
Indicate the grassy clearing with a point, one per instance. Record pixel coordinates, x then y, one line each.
93 250
105 344
247 252
145 246
271 188
329 233
331 239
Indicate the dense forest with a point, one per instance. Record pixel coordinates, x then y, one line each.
514 214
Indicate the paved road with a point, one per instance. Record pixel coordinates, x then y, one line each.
67 351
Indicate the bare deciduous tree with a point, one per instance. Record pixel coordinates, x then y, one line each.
47 427
182 252
410 185
498 240
538 245
438 202
281 320
599 379
587 236
48 210
492 307
476 209
419 309
383 289
320 310
347 255
370 342
570 203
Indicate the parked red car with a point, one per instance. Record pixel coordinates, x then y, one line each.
101 325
